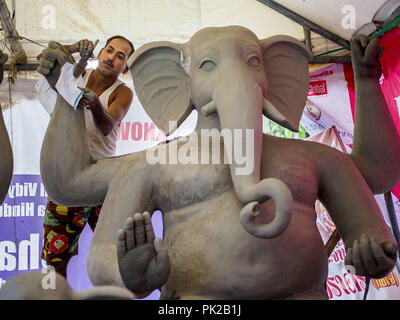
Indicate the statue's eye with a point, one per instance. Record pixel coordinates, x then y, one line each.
254 61
208 65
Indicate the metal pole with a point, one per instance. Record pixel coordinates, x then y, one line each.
305 22
23 67
307 38
331 59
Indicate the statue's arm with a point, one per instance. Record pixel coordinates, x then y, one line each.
69 175
376 145
350 203
6 155
131 191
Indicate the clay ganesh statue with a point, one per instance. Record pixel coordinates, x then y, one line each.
6 155
234 227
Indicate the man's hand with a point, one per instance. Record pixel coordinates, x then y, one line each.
3 60
143 260
51 61
371 259
365 54
89 98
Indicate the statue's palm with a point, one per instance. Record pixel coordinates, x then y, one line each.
143 260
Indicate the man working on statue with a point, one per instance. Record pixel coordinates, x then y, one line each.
106 100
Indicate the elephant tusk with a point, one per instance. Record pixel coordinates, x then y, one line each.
208 109
272 113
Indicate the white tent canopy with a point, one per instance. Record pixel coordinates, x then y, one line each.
143 21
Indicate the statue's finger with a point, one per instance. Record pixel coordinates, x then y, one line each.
48 54
348 261
129 234
121 245
363 40
372 49
139 229
357 260
55 54
47 63
43 70
148 227
54 45
367 255
356 48
378 253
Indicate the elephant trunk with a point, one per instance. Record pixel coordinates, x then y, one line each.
238 100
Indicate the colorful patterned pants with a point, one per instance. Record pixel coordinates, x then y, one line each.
62 227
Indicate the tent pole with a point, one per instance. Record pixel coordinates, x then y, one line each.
305 22
307 38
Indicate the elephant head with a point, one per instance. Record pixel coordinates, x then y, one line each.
231 72
6 161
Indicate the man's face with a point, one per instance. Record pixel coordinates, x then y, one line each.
113 58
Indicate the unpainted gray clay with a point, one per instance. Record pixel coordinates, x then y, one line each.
231 78
6 158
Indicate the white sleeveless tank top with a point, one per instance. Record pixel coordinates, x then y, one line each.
101 146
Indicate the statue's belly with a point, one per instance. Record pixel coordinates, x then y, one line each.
212 256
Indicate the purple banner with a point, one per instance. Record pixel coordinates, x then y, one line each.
21 225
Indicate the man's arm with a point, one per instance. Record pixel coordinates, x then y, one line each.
106 120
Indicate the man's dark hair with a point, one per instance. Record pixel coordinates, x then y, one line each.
123 38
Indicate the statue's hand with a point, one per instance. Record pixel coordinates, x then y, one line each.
51 61
3 60
143 260
365 54
370 258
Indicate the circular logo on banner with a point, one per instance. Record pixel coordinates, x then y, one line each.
59 243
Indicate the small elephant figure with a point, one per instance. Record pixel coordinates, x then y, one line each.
6 159
231 78
34 286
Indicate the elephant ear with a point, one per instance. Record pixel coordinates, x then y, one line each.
161 83
286 66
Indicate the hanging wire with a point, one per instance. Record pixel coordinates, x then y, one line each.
20 37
